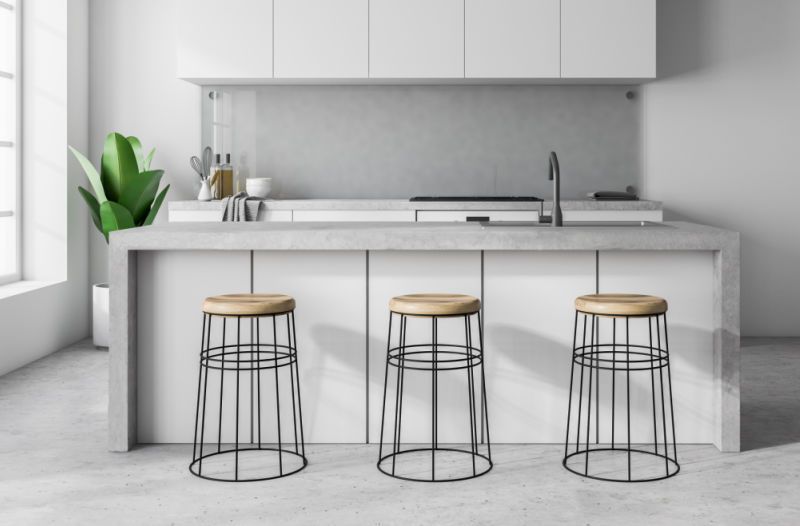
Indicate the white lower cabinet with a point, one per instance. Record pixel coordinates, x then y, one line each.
330 290
395 273
529 306
685 280
171 288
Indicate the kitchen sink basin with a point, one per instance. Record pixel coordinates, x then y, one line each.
576 224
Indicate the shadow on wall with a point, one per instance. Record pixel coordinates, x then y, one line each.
679 43
770 393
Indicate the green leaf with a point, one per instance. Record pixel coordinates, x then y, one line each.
139 194
91 174
149 159
136 144
94 207
156 205
118 166
114 216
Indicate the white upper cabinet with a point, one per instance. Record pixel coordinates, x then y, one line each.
512 38
321 39
224 40
416 39
608 39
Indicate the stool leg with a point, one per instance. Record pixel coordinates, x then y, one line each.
571 381
221 385
199 384
483 390
205 344
669 379
385 383
277 395
613 378
399 400
473 431
653 384
592 370
291 376
299 401
434 398
663 405
258 376
252 387
628 382
580 388
238 375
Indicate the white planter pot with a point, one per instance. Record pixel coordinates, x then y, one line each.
100 314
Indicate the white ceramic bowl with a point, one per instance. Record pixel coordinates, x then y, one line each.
259 186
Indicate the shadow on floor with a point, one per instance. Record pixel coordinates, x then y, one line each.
770 392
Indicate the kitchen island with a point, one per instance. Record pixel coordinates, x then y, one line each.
527 277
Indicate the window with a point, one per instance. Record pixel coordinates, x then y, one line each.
9 141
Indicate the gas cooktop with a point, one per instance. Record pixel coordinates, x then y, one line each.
478 198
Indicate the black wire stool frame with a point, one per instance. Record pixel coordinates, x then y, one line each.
253 357
595 357
466 357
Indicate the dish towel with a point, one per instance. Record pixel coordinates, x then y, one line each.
241 207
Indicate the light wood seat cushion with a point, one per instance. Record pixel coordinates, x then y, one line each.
621 304
248 304
435 304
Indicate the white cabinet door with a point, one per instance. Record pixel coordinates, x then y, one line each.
224 40
529 304
395 273
512 38
321 38
686 281
608 38
348 216
416 38
171 287
330 289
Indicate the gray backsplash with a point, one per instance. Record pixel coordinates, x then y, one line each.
401 141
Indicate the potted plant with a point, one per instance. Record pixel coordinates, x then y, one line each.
125 196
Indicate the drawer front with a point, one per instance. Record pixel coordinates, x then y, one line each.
325 216
613 215
476 215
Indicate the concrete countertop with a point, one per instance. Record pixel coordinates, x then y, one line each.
422 236
405 204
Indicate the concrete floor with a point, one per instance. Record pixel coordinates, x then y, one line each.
54 468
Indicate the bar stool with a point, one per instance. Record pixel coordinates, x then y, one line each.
436 463
244 362
620 459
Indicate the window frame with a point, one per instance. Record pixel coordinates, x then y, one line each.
14 7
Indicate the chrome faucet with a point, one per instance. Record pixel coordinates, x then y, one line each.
555 176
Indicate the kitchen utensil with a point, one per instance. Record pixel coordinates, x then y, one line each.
259 187
208 160
205 191
197 165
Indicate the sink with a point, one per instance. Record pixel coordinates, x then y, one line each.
576 224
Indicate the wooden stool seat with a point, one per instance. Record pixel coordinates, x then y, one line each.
621 305
248 304
435 304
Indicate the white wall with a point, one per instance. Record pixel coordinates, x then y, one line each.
722 132
55 313
134 91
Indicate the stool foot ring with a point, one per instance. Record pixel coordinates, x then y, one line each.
204 467
419 458
656 459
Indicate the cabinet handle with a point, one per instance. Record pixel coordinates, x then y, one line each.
479 218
